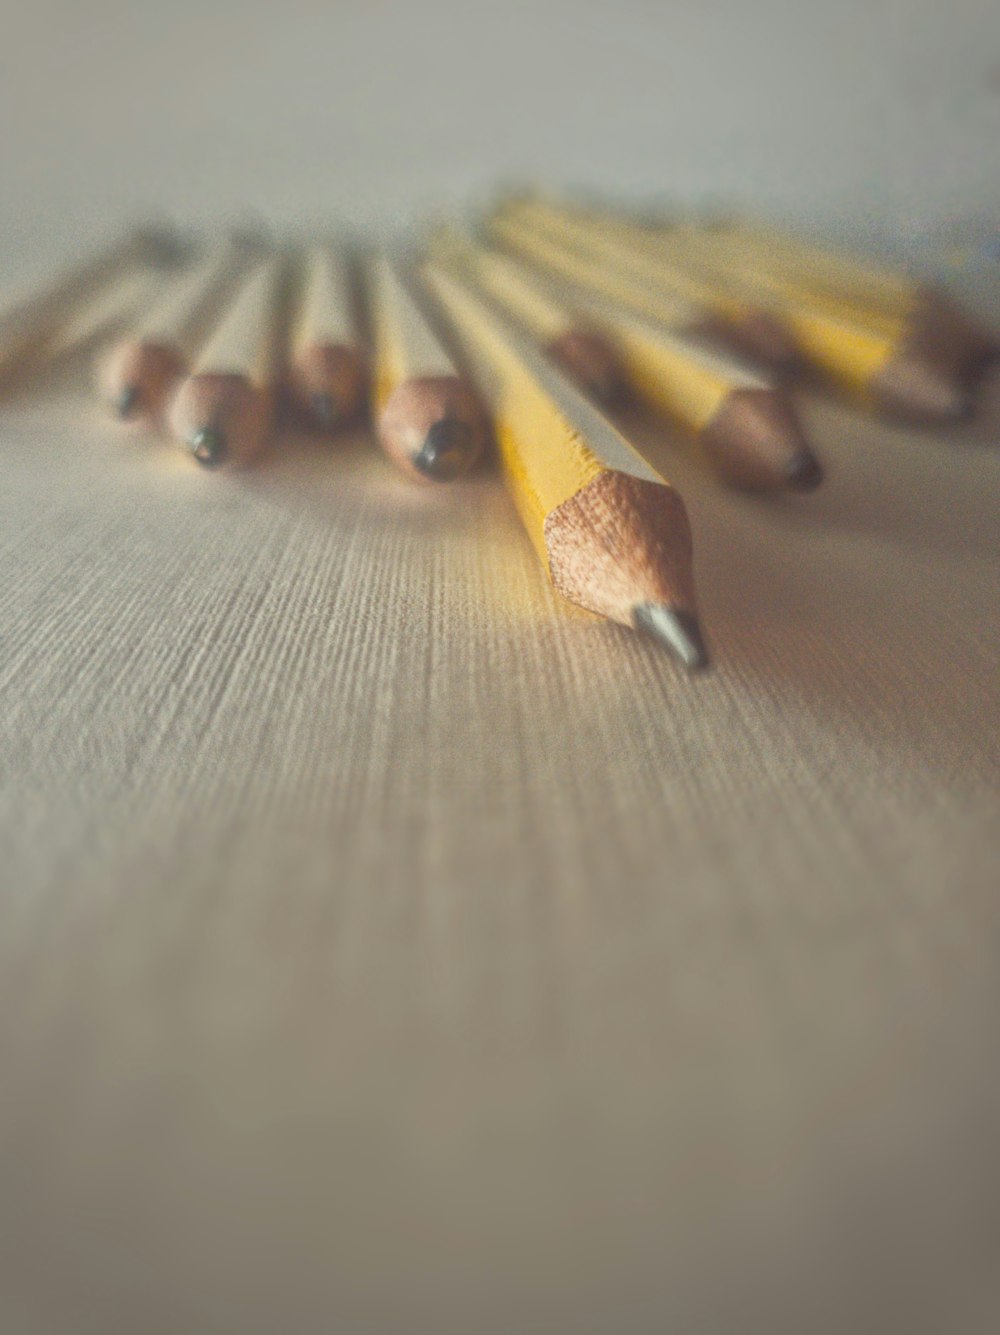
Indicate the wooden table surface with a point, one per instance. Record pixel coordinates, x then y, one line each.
382 940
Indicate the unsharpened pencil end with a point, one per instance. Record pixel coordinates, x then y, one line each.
208 445
448 450
677 630
805 472
127 402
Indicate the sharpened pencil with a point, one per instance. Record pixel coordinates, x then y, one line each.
871 361
744 425
935 324
428 416
223 411
570 340
743 421
135 378
603 240
326 373
612 534
873 353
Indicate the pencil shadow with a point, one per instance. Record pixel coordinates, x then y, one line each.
916 490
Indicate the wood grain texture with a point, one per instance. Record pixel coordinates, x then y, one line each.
384 945
618 542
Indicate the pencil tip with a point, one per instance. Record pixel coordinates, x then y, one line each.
324 409
805 472
676 629
127 401
208 445
447 451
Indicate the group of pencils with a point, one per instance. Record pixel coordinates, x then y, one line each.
531 327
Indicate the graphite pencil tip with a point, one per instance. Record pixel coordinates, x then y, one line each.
676 629
448 450
208 445
805 472
127 402
324 409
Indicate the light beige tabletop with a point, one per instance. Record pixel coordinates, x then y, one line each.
386 948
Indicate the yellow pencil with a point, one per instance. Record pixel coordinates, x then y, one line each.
326 372
742 420
612 534
428 417
224 409
872 360
603 239
571 341
925 319
137 375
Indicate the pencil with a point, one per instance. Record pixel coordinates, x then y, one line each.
428 416
102 314
602 240
935 323
873 360
613 536
136 376
874 353
32 313
224 408
743 421
870 355
566 337
326 373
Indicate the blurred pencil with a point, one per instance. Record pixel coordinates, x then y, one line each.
566 337
428 416
30 314
873 353
935 324
613 536
602 239
743 423
136 377
103 314
742 420
224 408
871 360
326 374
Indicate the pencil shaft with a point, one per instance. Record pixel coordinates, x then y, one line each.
405 345
428 417
188 301
29 315
610 244
874 361
105 313
567 337
136 376
613 536
246 339
326 315
585 260
224 409
326 372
